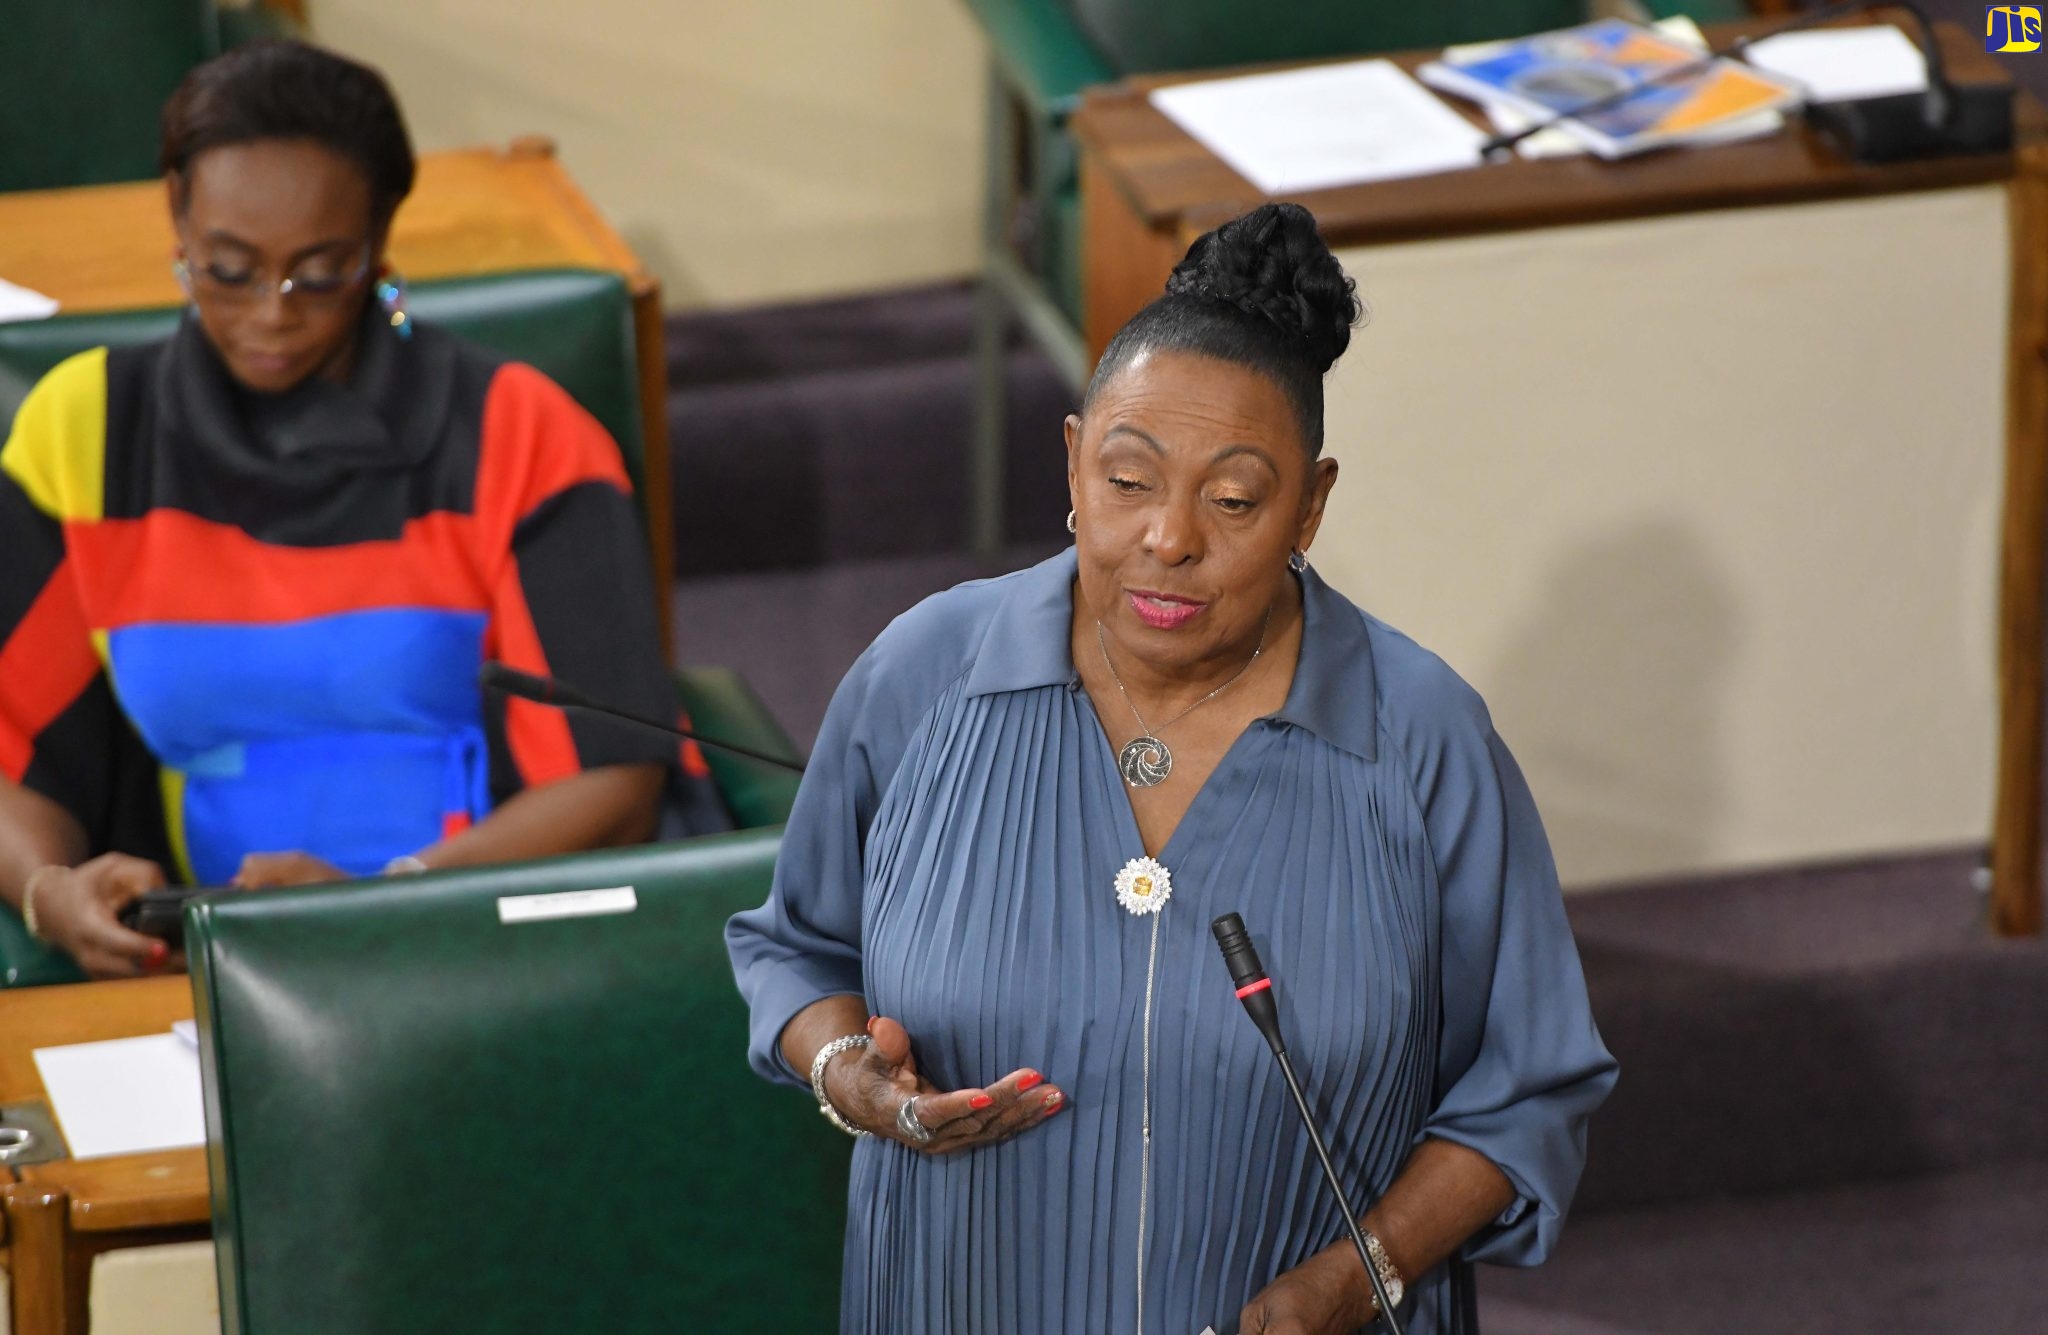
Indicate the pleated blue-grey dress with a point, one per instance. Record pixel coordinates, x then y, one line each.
952 858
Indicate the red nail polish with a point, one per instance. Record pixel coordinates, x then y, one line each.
980 1101
1031 1080
159 952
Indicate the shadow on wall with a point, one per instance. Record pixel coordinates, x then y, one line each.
1609 696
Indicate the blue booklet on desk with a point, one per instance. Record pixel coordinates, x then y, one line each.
1561 71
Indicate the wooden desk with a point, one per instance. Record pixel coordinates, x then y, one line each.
1148 189
60 1215
472 211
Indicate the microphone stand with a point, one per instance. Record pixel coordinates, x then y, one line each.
1255 990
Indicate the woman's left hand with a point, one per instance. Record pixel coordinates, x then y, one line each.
263 871
1324 1295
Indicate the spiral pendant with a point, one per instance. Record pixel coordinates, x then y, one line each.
1145 762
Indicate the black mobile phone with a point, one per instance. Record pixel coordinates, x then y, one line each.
161 913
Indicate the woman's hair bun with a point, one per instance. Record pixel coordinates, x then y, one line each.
1272 263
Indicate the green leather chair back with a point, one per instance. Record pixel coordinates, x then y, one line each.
574 324
421 1118
82 85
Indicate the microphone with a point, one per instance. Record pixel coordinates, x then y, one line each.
558 694
1944 119
1255 990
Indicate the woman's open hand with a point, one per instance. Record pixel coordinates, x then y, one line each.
869 1085
76 908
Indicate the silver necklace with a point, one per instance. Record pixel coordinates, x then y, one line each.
1145 760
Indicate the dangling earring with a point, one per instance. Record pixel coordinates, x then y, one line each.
391 296
1072 527
182 271
1297 560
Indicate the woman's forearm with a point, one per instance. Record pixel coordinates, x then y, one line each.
599 808
818 1024
1444 1194
34 832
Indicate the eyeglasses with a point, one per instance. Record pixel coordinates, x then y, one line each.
316 282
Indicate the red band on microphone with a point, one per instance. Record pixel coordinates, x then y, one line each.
1250 988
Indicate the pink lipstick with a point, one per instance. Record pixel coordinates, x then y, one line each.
1164 611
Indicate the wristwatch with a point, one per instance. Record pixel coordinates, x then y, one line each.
1390 1278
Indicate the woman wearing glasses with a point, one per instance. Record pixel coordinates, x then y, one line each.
247 574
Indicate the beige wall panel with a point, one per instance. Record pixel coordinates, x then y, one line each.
749 152
1706 507
163 1290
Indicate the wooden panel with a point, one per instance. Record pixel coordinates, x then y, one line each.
37 1273
2016 844
1125 263
130 1191
1164 174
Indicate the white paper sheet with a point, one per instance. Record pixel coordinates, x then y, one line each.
1837 64
19 303
1331 125
125 1095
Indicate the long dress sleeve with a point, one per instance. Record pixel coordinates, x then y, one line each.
62 733
804 943
1521 1065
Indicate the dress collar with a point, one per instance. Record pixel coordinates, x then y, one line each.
1027 645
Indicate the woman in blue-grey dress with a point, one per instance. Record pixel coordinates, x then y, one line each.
988 943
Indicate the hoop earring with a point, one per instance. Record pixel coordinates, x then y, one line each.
1297 561
1072 525
391 296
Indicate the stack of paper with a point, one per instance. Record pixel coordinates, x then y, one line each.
1557 143
126 1095
1327 126
18 303
1626 88
1836 64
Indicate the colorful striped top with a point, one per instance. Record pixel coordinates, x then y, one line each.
233 623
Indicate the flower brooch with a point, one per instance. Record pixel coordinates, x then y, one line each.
1144 886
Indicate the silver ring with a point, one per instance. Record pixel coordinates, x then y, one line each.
914 1131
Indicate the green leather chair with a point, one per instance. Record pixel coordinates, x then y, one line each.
82 85
574 324
1044 54
422 1118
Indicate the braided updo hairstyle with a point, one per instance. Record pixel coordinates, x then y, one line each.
1261 291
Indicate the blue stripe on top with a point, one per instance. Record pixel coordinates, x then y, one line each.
352 737
951 857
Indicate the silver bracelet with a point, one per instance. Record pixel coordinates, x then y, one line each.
845 1043
1390 1278
405 864
28 905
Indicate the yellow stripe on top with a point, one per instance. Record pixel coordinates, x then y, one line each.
57 451
171 783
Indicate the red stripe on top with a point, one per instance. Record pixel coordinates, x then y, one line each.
47 663
1250 988
173 566
537 443
538 735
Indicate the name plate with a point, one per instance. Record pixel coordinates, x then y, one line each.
566 904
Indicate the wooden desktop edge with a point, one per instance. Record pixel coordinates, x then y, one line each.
1172 183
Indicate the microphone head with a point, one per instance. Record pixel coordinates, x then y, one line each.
1238 951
